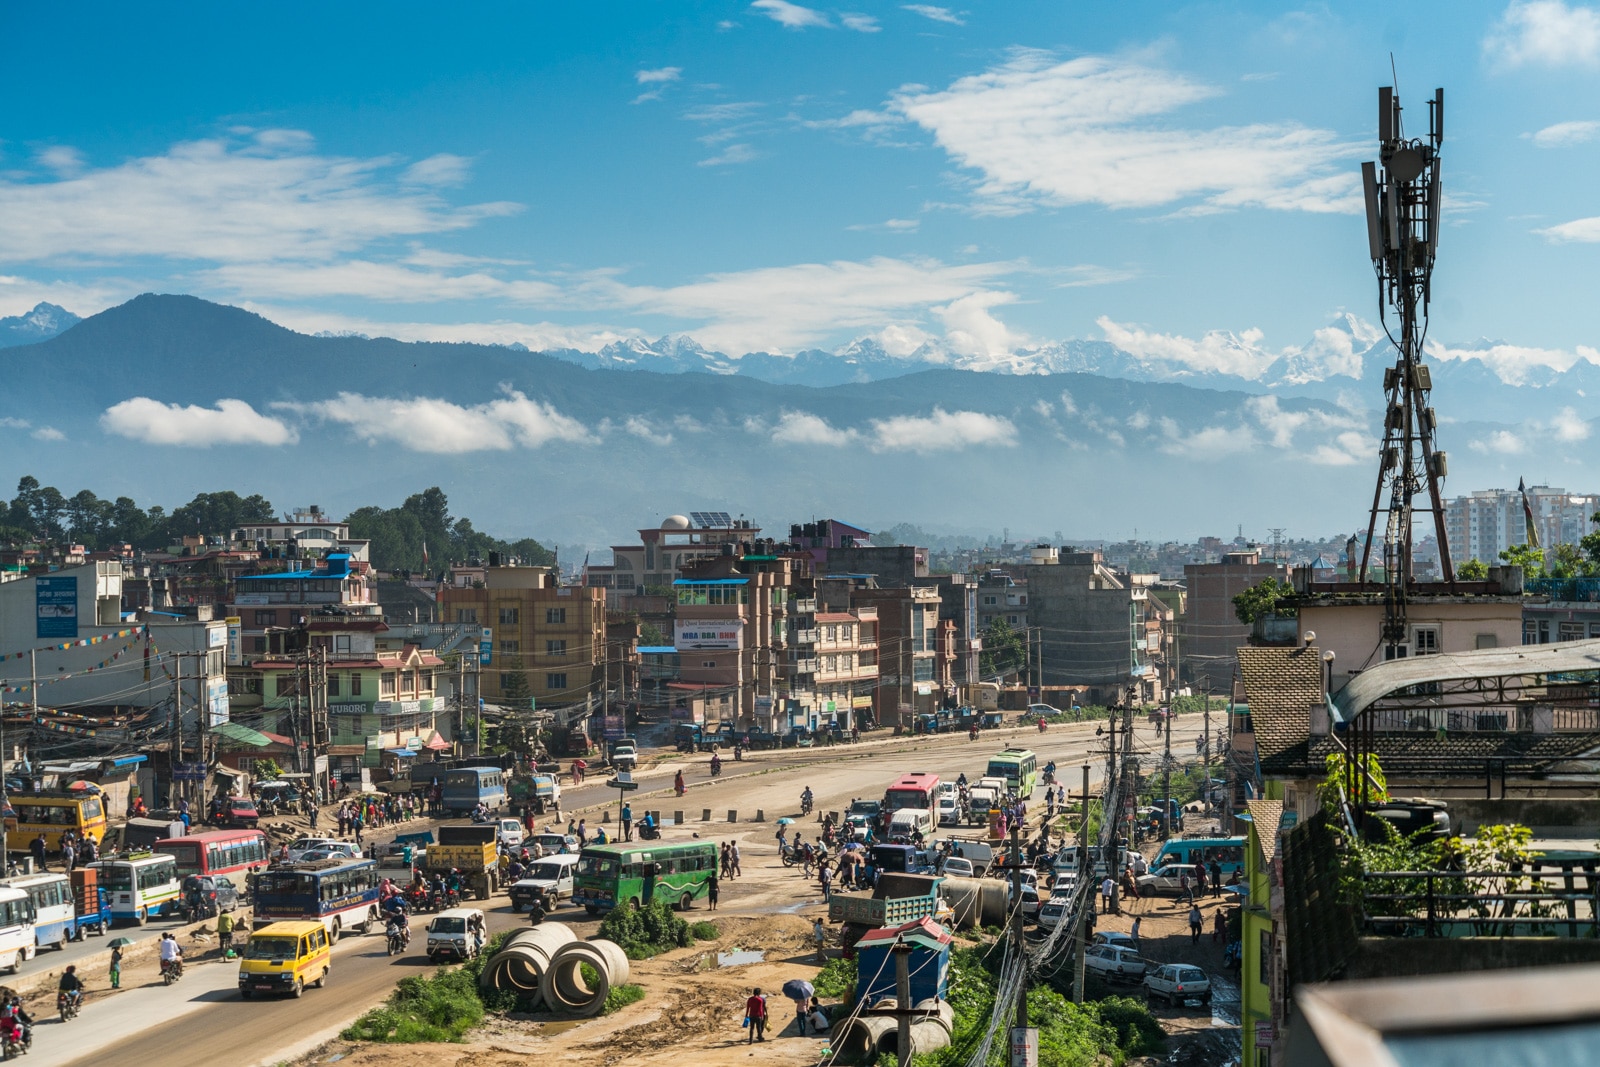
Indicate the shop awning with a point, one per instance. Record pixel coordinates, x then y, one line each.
436 743
242 734
399 752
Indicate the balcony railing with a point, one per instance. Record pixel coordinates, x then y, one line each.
805 637
1564 589
1524 719
1458 904
803 606
803 665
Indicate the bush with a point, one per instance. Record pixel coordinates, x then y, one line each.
621 996
1138 1032
652 929
837 979
441 1007
704 931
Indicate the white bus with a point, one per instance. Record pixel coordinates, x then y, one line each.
16 928
55 915
140 886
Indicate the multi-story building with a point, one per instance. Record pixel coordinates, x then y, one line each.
653 565
1095 625
279 599
1211 632
1489 521
1002 598
308 532
546 642
847 665
914 674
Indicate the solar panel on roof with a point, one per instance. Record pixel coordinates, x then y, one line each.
711 520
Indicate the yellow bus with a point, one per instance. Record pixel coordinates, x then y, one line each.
50 814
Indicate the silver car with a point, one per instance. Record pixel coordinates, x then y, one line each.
1178 983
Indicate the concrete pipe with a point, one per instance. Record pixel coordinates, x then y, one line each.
521 964
566 990
976 901
859 1040
927 1033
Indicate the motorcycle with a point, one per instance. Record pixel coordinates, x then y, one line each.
790 855
538 908
805 805
67 1004
452 897
17 1041
398 937
716 768
649 833
171 970
738 754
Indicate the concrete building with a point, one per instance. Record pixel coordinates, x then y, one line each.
279 599
1002 597
818 537
1211 633
914 673
847 665
553 636
662 554
1096 625
1560 609
1489 521
893 566
308 532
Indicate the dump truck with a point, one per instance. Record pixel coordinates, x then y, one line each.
896 899
470 850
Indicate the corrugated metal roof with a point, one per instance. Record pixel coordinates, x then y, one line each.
1375 683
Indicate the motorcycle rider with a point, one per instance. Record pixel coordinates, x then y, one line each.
70 984
171 954
716 765
15 1023
738 752
806 800
538 906
398 922
647 827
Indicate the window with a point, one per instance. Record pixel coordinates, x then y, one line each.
922 670
846 632
341 643
510 646
1570 631
285 684
333 685
555 616
1425 641
258 644
506 680
266 618
509 616
555 681
555 648
355 685
708 663
989 600
467 615
1487 641
386 685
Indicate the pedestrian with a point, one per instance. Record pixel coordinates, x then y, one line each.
583 832
825 876
727 862
67 853
1216 878
36 846
800 1014
1219 928
1200 879
755 1017
312 815
819 935
225 934
1133 931
1197 923
1185 887
712 885
1108 892
733 854
627 822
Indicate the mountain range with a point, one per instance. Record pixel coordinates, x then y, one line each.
165 396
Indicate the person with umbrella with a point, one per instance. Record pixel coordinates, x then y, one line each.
799 991
578 767
116 960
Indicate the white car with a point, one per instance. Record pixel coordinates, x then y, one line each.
1115 937
1036 710
511 833
552 875
956 867
338 850
1056 908
1115 963
949 810
1166 879
299 847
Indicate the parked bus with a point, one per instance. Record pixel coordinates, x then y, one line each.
466 787
55 912
1227 851
917 791
51 813
340 894
139 886
1019 767
218 852
633 875
16 928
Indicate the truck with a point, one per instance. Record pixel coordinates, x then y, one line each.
472 851
980 799
896 899
623 753
983 696
901 859
539 792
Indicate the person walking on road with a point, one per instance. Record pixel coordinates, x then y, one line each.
1200 879
712 885
627 822
36 846
819 935
733 855
116 967
1108 895
1219 928
1216 878
755 1015
1185 886
1197 923
1133 932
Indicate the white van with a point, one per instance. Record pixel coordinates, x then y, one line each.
906 821
456 934
553 875
949 810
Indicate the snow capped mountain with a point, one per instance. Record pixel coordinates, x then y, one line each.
40 324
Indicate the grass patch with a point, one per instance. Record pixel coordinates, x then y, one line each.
704 931
437 1007
621 996
652 929
836 980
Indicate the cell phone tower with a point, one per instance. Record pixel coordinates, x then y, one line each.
1402 195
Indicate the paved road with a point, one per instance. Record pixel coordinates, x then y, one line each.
119 1028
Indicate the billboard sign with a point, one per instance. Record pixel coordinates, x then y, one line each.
235 641
485 646
708 633
56 606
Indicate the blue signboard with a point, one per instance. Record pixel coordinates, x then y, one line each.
485 647
56 601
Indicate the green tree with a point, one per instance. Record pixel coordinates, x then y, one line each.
1261 600
1473 570
515 692
1590 545
1568 561
1530 559
217 513
1004 649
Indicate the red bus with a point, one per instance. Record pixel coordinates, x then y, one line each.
217 852
918 791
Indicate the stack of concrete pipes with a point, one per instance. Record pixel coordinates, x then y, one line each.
976 901
544 967
876 1032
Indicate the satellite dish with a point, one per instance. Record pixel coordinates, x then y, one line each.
1406 164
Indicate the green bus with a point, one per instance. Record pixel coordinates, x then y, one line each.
617 874
1019 767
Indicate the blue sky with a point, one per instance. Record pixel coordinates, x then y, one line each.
766 175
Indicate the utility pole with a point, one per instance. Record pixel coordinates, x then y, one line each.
1166 776
902 1007
175 735
1083 917
1021 1019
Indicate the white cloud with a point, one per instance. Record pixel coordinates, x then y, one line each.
1211 442
380 281
231 422
1501 442
7 422
859 23
425 424
803 428
1564 134
1545 33
242 199
440 170
970 330
732 155
791 16
1094 130
942 431
1044 409
1347 449
1216 352
537 336
641 428
658 76
888 226
937 14
61 158
1068 405
1570 427
901 340
1514 364
1578 231
48 433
